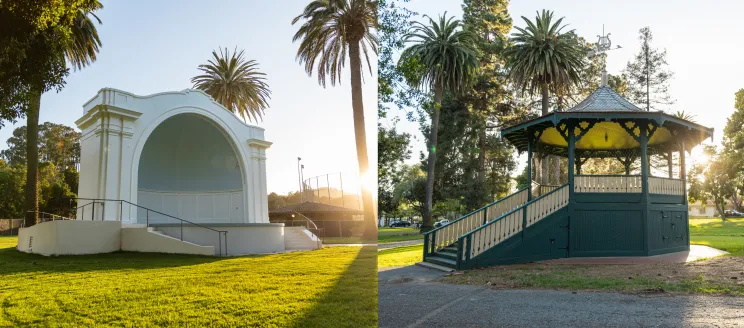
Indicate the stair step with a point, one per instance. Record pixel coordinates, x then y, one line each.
441 261
435 266
449 249
447 255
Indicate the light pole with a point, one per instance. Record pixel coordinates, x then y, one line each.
302 177
299 176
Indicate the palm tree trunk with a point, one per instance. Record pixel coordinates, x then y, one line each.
545 160
31 204
360 136
428 223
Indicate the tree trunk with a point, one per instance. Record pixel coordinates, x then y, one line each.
360 136
545 160
482 158
31 204
428 223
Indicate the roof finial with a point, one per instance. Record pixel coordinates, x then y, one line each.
603 45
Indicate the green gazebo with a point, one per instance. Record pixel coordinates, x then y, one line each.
635 204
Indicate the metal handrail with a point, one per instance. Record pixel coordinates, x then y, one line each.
478 210
147 222
320 241
53 216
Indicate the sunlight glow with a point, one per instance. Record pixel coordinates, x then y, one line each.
698 155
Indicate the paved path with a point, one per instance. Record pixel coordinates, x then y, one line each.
409 298
399 244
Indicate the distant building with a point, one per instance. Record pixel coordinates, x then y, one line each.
335 221
708 210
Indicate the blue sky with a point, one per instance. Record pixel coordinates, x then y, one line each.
702 39
156 46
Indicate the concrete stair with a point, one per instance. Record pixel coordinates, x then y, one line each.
299 238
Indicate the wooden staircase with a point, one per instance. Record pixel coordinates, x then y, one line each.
513 229
446 257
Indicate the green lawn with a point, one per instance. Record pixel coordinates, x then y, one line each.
332 287
728 236
400 256
390 235
342 240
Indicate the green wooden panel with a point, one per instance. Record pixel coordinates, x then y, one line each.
607 233
668 231
666 199
541 241
607 197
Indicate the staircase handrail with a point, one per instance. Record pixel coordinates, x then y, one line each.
147 223
461 240
476 211
317 236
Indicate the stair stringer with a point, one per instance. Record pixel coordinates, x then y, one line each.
533 245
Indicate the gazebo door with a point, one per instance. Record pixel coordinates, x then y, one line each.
559 240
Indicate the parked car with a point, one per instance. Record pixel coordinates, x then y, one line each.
734 213
400 224
441 223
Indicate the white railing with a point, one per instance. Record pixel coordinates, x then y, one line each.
608 183
494 233
510 224
447 235
666 186
546 205
541 189
498 209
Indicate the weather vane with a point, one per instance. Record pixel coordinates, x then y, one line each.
604 44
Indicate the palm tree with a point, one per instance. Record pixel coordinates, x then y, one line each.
449 62
544 58
331 30
80 51
235 84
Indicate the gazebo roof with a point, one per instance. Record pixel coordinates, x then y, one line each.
605 99
606 122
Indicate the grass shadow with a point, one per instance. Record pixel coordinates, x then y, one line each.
352 300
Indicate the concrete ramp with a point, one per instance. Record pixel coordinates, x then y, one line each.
137 239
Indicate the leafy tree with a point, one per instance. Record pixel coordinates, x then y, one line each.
648 75
331 29
410 192
80 50
450 61
235 83
58 144
276 201
712 181
11 190
394 21
393 149
491 94
33 37
733 147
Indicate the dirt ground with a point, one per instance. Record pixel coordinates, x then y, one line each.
721 275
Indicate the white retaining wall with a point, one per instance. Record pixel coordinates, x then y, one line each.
70 237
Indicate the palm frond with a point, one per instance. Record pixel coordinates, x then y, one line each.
446 53
327 29
542 54
235 83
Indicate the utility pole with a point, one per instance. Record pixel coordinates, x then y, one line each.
299 176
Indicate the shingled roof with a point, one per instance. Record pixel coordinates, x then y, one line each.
312 207
605 99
